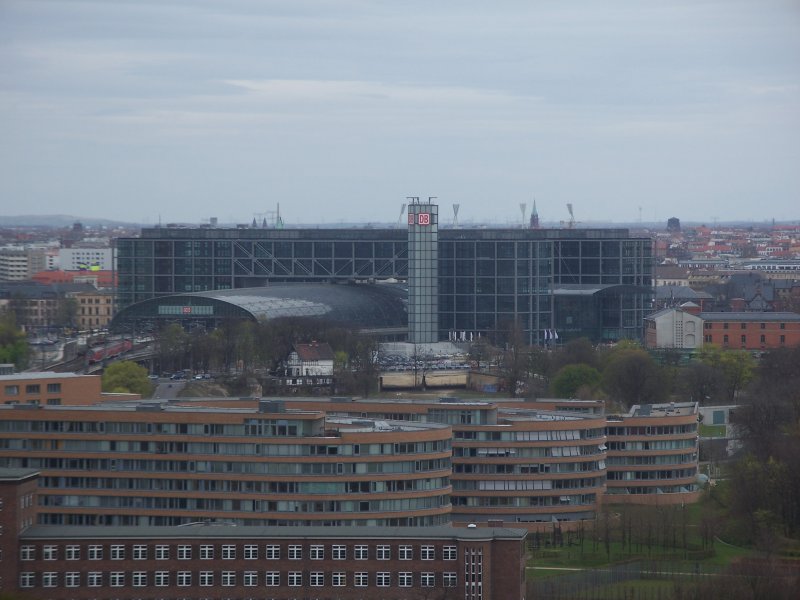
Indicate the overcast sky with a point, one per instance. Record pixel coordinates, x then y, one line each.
181 110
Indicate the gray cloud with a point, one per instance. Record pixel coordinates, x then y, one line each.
340 109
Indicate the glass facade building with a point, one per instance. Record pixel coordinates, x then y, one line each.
595 283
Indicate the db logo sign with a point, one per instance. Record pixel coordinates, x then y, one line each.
419 219
187 310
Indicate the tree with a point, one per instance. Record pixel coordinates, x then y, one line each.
66 311
632 377
127 377
574 352
172 347
572 378
737 367
13 343
702 383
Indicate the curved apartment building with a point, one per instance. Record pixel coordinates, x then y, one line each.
154 464
652 454
518 465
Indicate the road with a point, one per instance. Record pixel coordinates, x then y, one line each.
168 389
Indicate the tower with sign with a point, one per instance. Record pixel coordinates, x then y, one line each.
423 271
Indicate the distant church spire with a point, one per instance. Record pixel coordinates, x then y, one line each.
534 216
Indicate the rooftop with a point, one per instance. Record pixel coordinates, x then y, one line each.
203 531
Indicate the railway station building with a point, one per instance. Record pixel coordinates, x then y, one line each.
459 283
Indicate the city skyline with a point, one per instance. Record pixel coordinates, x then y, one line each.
154 112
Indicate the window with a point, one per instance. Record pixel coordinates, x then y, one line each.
339 552
361 579
72 553
250 578
53 388
251 551
339 579
206 578
725 339
273 552
228 578
184 578
162 552
295 578
116 579
743 325
161 578
49 552
405 579
383 579
72 579
117 552
12 390
206 552
361 552
450 553
295 552
763 339
228 552
724 325
184 552
27 553
317 552
427 553
273 578
317 579
763 325
783 325
383 553
49 579
427 579
139 578
32 388
94 579
140 552
783 339
405 553
744 339
449 579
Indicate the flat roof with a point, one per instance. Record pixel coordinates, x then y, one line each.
203 531
42 375
11 474
750 316
676 409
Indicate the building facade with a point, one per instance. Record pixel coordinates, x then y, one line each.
147 463
751 330
653 454
673 328
593 282
516 464
203 560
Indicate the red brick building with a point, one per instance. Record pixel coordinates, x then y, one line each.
223 561
751 330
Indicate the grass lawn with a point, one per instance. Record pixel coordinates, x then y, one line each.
712 431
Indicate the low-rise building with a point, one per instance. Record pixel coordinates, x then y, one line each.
751 330
216 559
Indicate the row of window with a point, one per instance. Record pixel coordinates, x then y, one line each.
229 552
74 579
741 325
32 388
726 340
